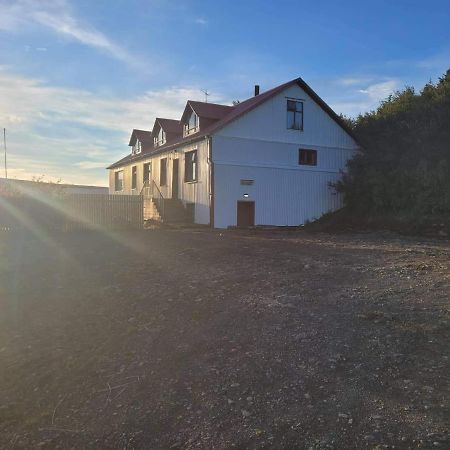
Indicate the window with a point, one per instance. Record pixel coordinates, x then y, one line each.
307 157
192 125
163 172
147 171
294 115
118 180
160 139
134 177
190 166
137 147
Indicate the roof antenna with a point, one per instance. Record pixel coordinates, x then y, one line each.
4 143
205 91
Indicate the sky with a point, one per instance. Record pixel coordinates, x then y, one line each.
76 76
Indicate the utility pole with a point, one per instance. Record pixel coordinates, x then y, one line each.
4 143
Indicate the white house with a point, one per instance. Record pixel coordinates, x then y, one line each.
268 160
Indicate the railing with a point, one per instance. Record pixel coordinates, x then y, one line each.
151 189
145 191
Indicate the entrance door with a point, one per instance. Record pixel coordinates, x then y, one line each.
245 214
175 178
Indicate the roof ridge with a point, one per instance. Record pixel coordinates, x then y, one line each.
165 118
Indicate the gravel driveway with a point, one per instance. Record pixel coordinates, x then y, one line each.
190 339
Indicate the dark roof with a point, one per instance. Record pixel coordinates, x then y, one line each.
144 136
207 110
234 112
132 158
169 125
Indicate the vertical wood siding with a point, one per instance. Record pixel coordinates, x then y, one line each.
282 197
192 192
267 122
258 146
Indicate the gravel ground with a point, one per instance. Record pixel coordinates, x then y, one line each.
183 339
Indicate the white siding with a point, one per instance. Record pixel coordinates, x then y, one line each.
258 146
239 151
282 197
195 192
267 122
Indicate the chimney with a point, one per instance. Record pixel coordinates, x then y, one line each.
256 89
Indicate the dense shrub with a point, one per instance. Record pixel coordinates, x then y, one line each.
404 166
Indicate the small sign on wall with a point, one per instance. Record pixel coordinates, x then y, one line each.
247 182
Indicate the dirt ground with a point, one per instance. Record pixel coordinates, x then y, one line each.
185 339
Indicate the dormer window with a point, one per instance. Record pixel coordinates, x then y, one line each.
137 147
192 125
160 139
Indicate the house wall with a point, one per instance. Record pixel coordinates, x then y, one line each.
192 192
267 122
259 147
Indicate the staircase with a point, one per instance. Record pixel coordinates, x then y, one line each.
151 211
164 210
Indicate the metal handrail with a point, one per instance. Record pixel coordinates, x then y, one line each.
159 199
155 195
144 186
157 188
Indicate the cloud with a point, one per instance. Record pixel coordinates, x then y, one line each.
90 165
65 132
379 91
201 21
438 62
351 81
353 101
57 16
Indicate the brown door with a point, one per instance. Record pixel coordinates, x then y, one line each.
245 214
175 178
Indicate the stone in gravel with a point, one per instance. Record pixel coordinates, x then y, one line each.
245 413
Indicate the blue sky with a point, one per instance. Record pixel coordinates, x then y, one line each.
76 76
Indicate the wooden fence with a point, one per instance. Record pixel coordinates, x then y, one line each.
71 212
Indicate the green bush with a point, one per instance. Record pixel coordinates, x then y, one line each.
404 165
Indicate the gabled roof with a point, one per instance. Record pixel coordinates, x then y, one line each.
127 159
144 137
247 105
168 125
232 113
207 110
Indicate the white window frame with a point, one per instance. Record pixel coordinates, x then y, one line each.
194 170
161 138
116 178
188 129
134 177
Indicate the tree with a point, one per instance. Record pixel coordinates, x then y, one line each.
404 166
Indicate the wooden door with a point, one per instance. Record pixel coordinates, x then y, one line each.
245 214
